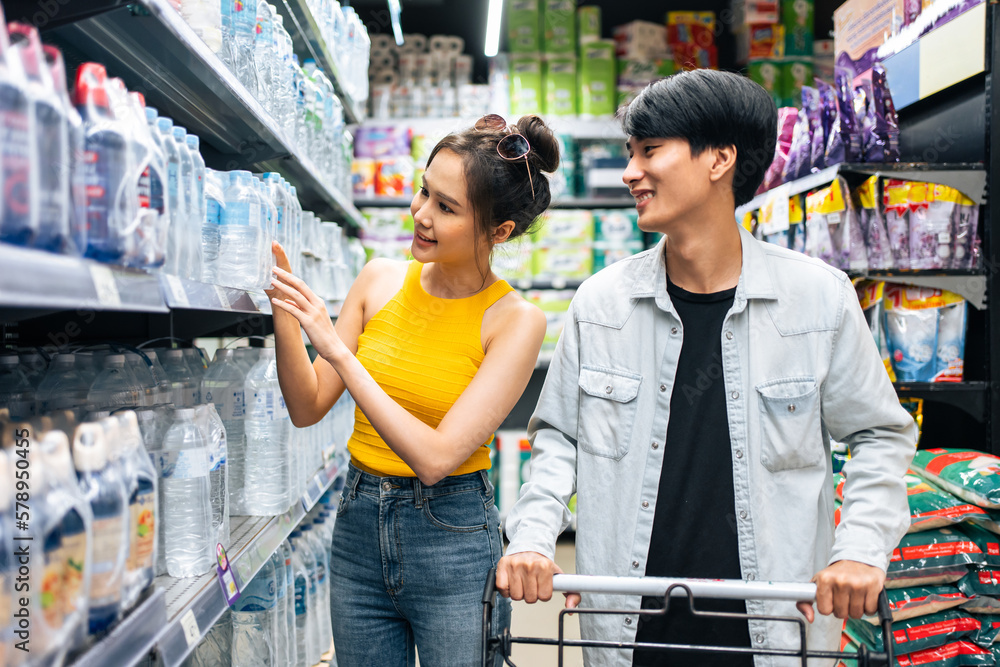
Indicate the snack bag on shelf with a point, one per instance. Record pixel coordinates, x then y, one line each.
812 105
799 153
896 203
980 581
846 120
885 135
950 359
872 224
989 543
786 125
921 632
932 208
818 242
796 221
870 293
363 177
931 507
834 209
911 316
965 240
939 556
971 475
834 149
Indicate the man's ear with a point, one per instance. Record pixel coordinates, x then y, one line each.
724 161
503 231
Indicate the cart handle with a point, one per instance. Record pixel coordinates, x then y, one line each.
727 589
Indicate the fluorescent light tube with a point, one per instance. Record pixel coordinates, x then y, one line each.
493 27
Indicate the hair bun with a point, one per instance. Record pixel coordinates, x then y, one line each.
544 146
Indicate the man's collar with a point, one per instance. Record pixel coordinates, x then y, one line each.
755 278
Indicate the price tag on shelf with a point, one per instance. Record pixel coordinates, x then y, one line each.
192 635
105 286
175 289
220 291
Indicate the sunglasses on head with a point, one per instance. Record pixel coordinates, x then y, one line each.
512 147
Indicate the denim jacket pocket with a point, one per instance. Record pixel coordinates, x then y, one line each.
790 426
607 410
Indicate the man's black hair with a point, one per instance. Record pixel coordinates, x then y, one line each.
710 109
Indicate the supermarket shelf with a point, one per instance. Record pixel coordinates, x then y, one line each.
133 638
948 55
180 293
971 397
968 177
194 604
41 280
584 129
555 283
969 284
158 54
308 42
594 202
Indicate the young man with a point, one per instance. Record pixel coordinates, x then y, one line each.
692 399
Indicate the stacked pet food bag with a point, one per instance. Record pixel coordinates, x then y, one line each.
943 579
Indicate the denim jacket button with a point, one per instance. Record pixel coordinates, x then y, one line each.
645 504
608 389
743 514
386 486
656 445
635 564
628 620
663 387
791 407
729 335
760 639
739 453
673 330
736 395
751 577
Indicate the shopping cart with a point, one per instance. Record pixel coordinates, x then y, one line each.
691 589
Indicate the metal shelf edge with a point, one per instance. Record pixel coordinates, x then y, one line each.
132 639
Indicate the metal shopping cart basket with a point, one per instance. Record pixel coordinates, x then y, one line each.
691 589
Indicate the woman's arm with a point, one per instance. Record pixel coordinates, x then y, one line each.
432 454
311 388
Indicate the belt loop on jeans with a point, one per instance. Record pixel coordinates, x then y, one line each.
354 484
418 498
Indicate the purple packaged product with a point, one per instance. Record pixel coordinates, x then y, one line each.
375 141
849 129
818 242
797 165
886 122
786 127
930 228
896 203
872 224
812 106
833 147
965 240
911 10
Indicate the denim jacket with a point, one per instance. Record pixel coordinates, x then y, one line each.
799 365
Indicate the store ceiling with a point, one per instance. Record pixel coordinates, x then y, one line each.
467 18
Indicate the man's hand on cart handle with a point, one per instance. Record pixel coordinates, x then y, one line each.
846 589
528 576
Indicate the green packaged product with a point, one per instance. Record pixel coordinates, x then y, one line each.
560 86
606 254
988 543
922 632
982 604
971 475
588 21
597 78
526 92
559 19
940 556
767 73
618 225
798 17
981 581
907 603
524 26
794 75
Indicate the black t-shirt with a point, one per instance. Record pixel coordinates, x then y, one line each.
694 528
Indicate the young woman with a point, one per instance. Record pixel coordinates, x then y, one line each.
435 352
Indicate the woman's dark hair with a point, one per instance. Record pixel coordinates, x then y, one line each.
710 109
499 189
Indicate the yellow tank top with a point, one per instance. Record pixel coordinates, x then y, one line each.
423 351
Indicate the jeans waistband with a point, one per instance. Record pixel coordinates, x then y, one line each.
359 481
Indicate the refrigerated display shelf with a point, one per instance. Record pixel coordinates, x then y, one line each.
150 46
308 42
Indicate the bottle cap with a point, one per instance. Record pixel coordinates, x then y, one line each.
267 353
55 446
192 141
179 132
174 354
138 96
90 85
223 353
112 437
151 114
90 454
184 413
164 124
114 360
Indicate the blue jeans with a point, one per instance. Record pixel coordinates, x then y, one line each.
408 569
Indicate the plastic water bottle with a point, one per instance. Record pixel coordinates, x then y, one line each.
195 362
215 206
244 38
215 650
151 170
281 636
205 18
33 366
223 387
149 391
15 390
176 206
269 216
105 491
66 501
143 508
114 387
187 508
324 631
210 422
289 622
264 54
246 357
18 215
198 210
266 425
226 52
51 139
186 392
305 629
240 234
255 622
76 166
105 160
191 260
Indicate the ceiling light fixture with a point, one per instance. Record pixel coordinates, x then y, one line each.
493 27
397 31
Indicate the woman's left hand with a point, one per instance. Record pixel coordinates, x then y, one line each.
310 310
